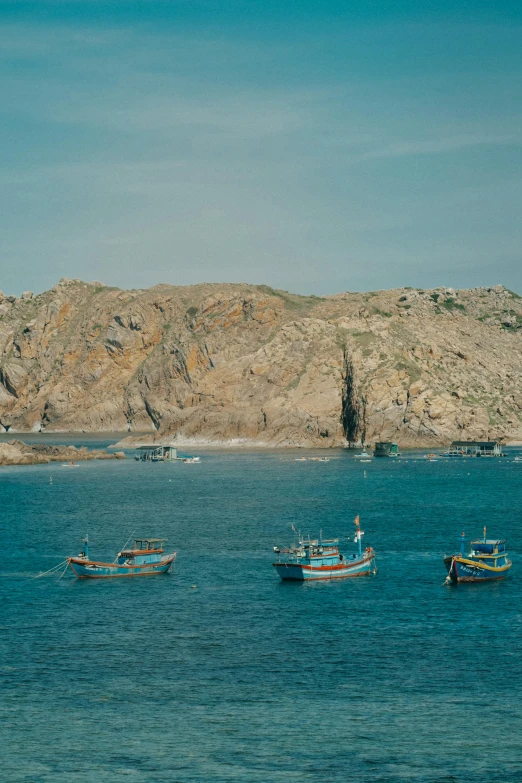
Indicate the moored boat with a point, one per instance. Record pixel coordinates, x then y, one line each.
486 560
312 559
145 558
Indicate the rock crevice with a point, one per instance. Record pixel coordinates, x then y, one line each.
224 362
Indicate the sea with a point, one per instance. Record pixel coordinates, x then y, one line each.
221 673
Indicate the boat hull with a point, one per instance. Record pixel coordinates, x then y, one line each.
296 572
91 569
461 569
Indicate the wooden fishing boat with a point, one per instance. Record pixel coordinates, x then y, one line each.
145 558
487 560
320 559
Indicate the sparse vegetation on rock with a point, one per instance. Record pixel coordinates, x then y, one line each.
225 362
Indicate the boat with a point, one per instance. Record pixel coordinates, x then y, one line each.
191 460
363 455
431 457
71 464
486 560
386 449
313 559
145 558
518 459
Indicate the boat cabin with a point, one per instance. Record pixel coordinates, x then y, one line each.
145 550
314 551
476 448
488 547
157 454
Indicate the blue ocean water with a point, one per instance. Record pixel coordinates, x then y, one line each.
219 671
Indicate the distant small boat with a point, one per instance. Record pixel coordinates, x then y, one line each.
312 559
487 560
454 452
191 460
518 459
145 558
70 464
363 455
301 459
431 457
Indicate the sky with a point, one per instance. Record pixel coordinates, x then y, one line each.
316 147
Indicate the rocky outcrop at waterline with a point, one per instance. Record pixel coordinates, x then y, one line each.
243 363
15 452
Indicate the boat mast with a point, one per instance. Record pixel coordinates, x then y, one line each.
358 534
462 544
86 546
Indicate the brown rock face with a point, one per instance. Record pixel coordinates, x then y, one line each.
226 362
15 452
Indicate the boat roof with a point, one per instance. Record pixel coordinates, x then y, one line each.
491 541
155 446
151 540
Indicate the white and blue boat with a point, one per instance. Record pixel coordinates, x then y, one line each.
487 559
145 558
312 559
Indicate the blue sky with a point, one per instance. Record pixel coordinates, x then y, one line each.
316 147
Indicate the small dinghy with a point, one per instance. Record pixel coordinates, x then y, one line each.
487 560
145 558
312 559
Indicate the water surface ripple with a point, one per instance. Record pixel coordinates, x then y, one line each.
389 679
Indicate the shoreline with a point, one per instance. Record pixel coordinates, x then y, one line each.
126 440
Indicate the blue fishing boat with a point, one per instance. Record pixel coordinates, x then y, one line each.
320 559
145 558
487 560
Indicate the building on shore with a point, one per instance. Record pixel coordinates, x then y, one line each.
386 449
156 453
477 448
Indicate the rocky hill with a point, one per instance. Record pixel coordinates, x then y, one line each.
225 362
15 452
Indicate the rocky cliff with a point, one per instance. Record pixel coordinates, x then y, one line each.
224 362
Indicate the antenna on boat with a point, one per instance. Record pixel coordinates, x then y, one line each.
484 533
358 534
85 543
125 544
462 543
